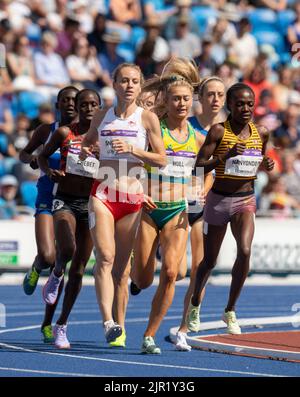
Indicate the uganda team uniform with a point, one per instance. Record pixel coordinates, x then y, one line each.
221 206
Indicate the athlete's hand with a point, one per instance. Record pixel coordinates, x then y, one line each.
85 152
236 150
96 149
202 198
148 203
55 175
121 146
268 163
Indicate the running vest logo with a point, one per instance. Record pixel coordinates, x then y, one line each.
57 205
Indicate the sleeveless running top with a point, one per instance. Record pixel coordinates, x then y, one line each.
197 126
181 157
130 130
70 149
44 184
243 166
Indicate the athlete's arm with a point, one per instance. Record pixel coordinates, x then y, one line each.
54 143
208 178
91 137
212 141
267 163
157 157
39 137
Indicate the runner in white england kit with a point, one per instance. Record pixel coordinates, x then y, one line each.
115 203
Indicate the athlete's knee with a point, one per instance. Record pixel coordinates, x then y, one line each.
181 274
120 278
67 252
104 263
244 251
169 275
76 274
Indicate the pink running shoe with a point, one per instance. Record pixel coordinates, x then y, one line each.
61 340
50 290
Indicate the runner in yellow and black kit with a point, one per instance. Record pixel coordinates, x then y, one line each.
238 149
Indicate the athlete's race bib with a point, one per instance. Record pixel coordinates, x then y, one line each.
180 164
107 137
245 165
88 167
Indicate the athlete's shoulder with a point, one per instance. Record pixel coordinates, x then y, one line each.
263 132
216 131
148 118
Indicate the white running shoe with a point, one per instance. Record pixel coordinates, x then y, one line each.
50 290
112 330
181 343
192 318
61 340
232 325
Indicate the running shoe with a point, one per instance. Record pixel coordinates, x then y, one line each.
61 340
47 332
120 341
112 330
50 290
181 343
232 326
192 318
134 289
149 346
30 281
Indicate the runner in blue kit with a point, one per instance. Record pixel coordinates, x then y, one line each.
44 230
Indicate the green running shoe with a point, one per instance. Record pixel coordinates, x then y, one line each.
47 332
30 281
120 341
192 318
149 346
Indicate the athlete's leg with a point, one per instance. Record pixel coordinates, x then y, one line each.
81 256
173 240
196 237
103 235
213 238
125 233
144 262
44 235
242 226
65 234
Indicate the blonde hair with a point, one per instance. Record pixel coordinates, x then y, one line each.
177 72
207 80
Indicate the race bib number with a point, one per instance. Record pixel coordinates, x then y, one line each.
87 168
245 165
180 164
107 137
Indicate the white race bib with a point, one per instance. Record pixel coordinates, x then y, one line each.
245 165
88 167
180 164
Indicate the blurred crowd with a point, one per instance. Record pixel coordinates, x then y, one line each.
52 43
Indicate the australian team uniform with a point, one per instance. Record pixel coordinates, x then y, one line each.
221 206
132 131
181 157
45 186
71 164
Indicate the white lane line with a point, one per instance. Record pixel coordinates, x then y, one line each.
50 372
143 364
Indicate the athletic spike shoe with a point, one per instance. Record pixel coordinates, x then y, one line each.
61 340
134 289
30 281
181 343
48 336
50 290
232 325
192 318
120 341
112 330
149 346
